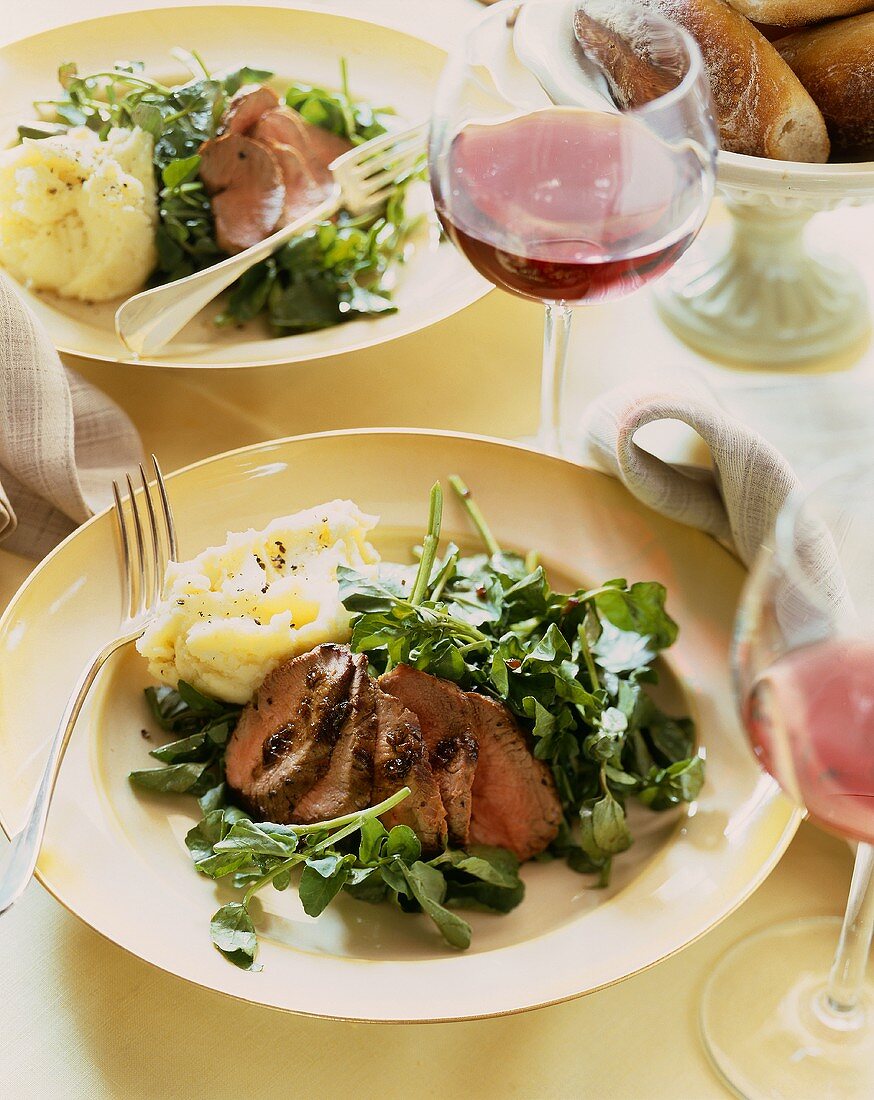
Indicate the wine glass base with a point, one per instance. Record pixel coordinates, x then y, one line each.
764 1019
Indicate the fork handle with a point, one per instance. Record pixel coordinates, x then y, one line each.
19 862
145 322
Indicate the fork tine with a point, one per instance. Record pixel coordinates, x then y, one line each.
378 158
157 575
169 523
383 182
141 550
125 550
394 169
376 145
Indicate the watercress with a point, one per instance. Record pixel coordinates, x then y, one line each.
573 667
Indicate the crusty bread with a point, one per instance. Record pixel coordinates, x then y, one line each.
761 106
798 13
835 62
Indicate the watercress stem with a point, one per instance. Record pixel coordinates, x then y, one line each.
476 516
358 815
429 546
590 661
132 78
349 824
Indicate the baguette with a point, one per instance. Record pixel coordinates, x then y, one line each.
835 63
761 106
798 13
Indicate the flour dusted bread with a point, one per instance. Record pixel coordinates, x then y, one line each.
835 63
761 106
798 13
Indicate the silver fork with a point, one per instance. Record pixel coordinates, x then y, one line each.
148 541
363 179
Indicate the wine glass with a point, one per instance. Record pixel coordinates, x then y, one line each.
790 1011
553 190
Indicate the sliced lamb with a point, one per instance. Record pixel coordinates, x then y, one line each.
246 106
302 192
401 759
244 181
318 147
446 717
515 803
346 785
283 742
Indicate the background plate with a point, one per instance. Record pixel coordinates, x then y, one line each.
117 859
386 67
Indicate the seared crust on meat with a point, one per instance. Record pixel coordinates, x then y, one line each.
446 719
347 784
401 759
283 743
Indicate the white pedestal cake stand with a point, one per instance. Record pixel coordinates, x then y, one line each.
763 297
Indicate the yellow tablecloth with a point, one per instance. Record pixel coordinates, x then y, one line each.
79 1017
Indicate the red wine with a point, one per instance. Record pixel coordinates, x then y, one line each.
567 204
811 721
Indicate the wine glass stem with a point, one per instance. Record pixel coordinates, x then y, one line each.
555 343
848 970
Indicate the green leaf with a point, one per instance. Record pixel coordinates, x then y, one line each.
403 843
207 832
247 836
483 878
149 118
622 651
603 828
681 782
197 701
373 833
365 594
428 887
245 75
317 891
180 171
188 749
175 779
222 863
213 798
639 610
234 935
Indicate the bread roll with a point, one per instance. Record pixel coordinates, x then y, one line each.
798 13
835 63
761 106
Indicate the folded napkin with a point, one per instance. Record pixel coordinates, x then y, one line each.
736 501
61 440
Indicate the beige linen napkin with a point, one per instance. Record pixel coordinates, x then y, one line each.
736 501
61 440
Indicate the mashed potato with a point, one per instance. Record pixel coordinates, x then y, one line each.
234 612
78 215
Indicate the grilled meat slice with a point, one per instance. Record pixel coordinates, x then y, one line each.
283 742
515 803
401 759
316 146
306 182
246 106
346 785
244 182
446 717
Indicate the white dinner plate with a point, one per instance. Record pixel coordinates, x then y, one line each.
386 68
116 857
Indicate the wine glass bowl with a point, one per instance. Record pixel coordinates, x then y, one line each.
552 191
776 1018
